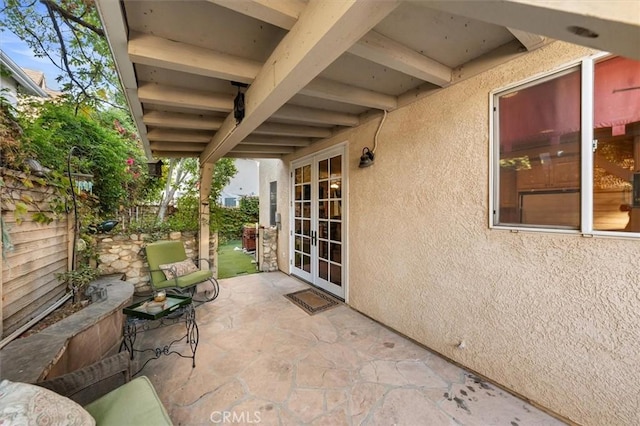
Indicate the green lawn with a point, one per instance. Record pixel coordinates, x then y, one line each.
232 263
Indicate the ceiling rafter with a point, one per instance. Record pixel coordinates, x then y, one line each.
177 146
281 13
292 130
378 48
181 120
252 155
190 98
273 149
316 116
529 41
176 154
373 46
179 135
270 140
324 31
155 51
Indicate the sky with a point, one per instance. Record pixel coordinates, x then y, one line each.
22 55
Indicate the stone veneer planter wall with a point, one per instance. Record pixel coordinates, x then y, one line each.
268 252
123 254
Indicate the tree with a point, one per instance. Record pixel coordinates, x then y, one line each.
183 175
179 170
69 33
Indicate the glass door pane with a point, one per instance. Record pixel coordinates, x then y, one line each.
302 219
330 223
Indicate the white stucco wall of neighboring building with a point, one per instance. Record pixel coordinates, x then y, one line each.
244 183
553 317
9 90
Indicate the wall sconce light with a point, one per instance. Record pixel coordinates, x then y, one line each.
368 155
367 158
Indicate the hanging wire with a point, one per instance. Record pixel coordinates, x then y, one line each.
375 138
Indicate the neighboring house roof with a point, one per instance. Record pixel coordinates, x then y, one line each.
23 79
39 78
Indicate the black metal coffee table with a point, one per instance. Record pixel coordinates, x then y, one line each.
177 309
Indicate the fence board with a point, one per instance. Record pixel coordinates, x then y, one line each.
36 307
25 280
40 251
23 248
41 234
33 297
31 263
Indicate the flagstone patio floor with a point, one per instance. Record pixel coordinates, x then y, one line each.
262 360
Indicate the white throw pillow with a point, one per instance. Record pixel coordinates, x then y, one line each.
24 404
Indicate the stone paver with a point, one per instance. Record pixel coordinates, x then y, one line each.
262 360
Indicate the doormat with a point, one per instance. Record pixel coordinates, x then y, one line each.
312 301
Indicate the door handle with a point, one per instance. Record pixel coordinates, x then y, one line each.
314 238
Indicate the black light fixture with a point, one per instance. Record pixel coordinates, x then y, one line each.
368 155
367 158
155 169
238 102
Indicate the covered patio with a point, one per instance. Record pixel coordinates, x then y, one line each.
261 359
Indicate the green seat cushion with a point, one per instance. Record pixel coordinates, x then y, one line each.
134 403
186 280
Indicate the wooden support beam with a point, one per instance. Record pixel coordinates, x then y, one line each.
190 98
181 121
270 140
316 116
159 52
529 41
324 31
156 51
279 129
179 135
271 149
206 178
255 155
281 13
178 146
176 154
383 50
334 91
373 46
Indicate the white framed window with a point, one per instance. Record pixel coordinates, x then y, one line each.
565 150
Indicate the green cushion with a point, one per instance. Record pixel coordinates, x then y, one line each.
186 280
134 403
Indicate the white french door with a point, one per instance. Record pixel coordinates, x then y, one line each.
318 221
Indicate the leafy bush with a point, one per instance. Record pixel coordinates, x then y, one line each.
103 149
229 221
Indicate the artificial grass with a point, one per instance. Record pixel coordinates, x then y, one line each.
232 263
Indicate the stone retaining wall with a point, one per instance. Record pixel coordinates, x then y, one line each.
123 254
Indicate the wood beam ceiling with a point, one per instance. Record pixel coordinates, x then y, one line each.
181 121
158 52
373 46
323 32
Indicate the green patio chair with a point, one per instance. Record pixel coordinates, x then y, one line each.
172 271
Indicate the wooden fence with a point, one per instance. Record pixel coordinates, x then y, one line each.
32 256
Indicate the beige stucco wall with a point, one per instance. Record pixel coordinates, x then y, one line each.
553 317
